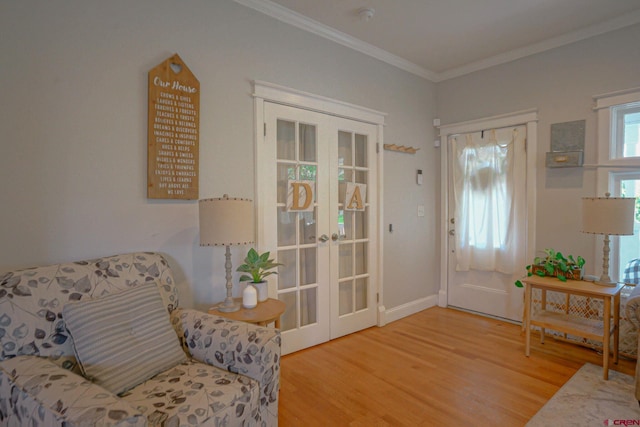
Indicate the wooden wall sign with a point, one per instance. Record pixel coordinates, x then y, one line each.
173 131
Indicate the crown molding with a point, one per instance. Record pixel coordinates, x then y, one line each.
288 16
565 39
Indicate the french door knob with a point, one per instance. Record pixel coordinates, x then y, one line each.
335 237
323 238
452 232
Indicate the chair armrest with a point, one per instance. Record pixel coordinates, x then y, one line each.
632 307
239 347
35 391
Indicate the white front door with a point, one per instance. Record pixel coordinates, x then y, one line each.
487 233
328 280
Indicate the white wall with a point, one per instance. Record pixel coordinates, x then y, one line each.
561 84
73 121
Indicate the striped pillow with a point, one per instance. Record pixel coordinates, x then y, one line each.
123 339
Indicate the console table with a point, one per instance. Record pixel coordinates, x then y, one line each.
595 329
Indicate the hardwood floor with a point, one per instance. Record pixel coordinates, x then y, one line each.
434 368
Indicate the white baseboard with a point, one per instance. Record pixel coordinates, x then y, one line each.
407 309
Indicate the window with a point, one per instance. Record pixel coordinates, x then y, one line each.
488 197
625 136
618 166
485 203
627 184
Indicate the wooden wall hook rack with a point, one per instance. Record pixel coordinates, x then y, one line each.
400 148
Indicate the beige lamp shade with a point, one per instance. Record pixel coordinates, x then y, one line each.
226 221
608 215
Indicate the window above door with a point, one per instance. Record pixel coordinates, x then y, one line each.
619 128
625 137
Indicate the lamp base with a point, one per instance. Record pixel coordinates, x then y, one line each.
603 283
228 306
604 279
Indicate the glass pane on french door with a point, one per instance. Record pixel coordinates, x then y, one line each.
296 231
353 234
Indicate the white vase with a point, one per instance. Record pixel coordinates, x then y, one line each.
263 290
249 296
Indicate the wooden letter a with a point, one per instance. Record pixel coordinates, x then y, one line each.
356 199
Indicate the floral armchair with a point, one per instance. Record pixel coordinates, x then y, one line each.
632 308
633 314
223 372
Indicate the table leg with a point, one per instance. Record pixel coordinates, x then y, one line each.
616 326
527 318
607 337
275 320
567 301
543 306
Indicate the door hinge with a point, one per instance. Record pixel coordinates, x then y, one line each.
377 147
265 129
377 297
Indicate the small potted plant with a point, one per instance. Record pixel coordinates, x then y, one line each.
555 264
257 267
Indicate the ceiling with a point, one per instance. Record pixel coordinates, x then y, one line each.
441 39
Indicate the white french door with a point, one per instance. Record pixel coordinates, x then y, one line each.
328 279
488 212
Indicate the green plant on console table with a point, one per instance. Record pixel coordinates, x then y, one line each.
555 264
257 266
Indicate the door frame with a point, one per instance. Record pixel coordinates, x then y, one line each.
529 118
270 92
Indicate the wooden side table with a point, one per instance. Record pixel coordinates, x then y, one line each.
595 329
264 313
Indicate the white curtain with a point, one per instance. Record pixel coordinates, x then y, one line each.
485 203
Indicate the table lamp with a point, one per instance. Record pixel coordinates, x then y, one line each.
607 216
226 221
